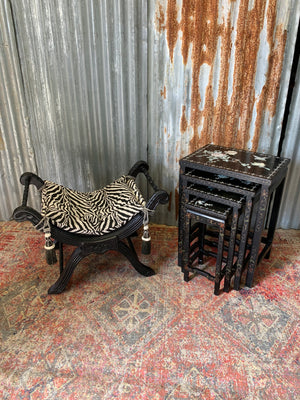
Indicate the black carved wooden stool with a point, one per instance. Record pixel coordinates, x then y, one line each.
114 239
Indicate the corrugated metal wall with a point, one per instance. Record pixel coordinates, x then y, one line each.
89 87
16 150
222 77
84 80
290 211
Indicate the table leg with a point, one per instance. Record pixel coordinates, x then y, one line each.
230 255
180 223
259 226
243 244
186 224
274 216
219 259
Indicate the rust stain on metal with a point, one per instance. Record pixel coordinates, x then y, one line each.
234 112
172 26
205 39
274 73
269 95
248 31
226 119
163 93
160 18
183 121
220 110
187 26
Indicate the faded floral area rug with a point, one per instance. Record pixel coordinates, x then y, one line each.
114 334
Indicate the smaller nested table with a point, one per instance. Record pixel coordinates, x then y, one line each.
263 173
207 212
232 201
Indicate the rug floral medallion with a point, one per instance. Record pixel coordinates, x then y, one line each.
114 334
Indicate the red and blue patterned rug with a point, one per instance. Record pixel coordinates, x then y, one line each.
114 334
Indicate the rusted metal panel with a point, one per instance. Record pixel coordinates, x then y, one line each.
236 49
222 69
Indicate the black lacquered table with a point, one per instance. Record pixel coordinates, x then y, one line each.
262 173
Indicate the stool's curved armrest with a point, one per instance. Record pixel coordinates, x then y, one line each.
25 213
143 167
159 197
139 166
29 178
32 178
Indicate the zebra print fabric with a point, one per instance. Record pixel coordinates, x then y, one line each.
92 213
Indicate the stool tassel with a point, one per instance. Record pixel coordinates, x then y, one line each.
146 241
50 249
43 225
49 244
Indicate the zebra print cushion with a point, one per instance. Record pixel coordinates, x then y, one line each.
92 213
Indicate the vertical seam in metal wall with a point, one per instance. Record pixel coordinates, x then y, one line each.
17 45
290 91
22 77
148 26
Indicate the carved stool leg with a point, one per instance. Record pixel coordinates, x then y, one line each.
131 256
60 285
61 257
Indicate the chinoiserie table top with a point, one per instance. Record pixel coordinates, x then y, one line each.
257 167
